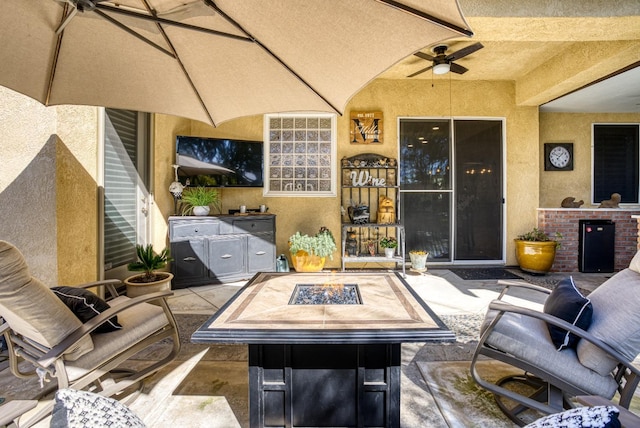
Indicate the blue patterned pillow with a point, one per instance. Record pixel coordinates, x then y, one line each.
82 409
567 303
592 417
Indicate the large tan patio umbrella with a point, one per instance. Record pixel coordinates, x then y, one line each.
212 60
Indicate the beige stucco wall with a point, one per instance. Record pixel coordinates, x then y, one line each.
51 155
409 98
575 128
48 205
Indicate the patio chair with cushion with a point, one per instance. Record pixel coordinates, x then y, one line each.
574 346
71 335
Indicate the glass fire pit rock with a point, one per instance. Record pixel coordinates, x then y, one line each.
326 294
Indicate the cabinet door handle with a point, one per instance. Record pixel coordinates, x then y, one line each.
226 256
261 253
189 259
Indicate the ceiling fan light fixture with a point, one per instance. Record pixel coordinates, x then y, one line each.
441 68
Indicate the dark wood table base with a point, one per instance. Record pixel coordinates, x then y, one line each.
334 385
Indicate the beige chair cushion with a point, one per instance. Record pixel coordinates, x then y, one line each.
31 309
616 320
634 265
137 323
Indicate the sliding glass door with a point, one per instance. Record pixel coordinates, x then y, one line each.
451 188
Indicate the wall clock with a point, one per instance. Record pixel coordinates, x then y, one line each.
558 156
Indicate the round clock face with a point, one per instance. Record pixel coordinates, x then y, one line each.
559 157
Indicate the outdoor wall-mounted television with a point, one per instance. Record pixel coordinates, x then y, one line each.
219 162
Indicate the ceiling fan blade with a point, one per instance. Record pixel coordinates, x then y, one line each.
464 52
420 71
456 68
424 56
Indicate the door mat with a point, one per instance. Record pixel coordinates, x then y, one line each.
477 274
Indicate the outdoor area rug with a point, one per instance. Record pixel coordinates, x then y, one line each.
478 274
460 400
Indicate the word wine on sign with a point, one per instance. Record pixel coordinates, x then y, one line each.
363 178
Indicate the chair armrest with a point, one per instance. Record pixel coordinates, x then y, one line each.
525 285
109 284
58 350
504 307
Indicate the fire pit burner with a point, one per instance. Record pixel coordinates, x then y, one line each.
326 294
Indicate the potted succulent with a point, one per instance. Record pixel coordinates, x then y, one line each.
308 253
536 250
150 281
199 200
418 260
389 243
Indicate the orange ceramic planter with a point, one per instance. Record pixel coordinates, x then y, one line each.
303 262
535 256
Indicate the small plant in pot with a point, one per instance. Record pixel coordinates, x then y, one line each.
308 253
418 260
199 200
150 281
536 250
389 243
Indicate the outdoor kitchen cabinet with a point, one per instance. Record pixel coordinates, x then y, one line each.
210 250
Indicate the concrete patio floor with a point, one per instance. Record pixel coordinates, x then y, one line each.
207 385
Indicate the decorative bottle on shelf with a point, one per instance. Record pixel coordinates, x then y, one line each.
282 264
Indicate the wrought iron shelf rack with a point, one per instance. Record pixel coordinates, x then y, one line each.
365 179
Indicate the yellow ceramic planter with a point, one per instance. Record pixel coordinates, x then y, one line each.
535 256
303 262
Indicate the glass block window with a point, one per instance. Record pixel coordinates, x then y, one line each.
300 155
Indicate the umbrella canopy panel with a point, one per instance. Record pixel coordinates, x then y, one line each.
212 61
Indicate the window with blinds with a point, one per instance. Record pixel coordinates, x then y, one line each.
615 162
120 186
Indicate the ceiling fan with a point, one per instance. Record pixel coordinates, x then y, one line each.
443 63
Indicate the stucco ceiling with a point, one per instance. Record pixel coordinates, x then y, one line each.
553 52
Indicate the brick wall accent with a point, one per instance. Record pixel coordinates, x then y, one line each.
566 221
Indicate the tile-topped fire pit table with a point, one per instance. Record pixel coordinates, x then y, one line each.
324 348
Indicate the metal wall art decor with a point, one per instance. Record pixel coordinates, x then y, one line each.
366 127
368 160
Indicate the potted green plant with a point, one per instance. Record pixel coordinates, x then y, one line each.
418 260
536 250
308 253
389 243
199 200
150 281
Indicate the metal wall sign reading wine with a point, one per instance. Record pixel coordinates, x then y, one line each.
363 178
366 127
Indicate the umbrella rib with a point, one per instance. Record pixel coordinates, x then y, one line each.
56 53
427 16
215 7
157 19
180 63
133 33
